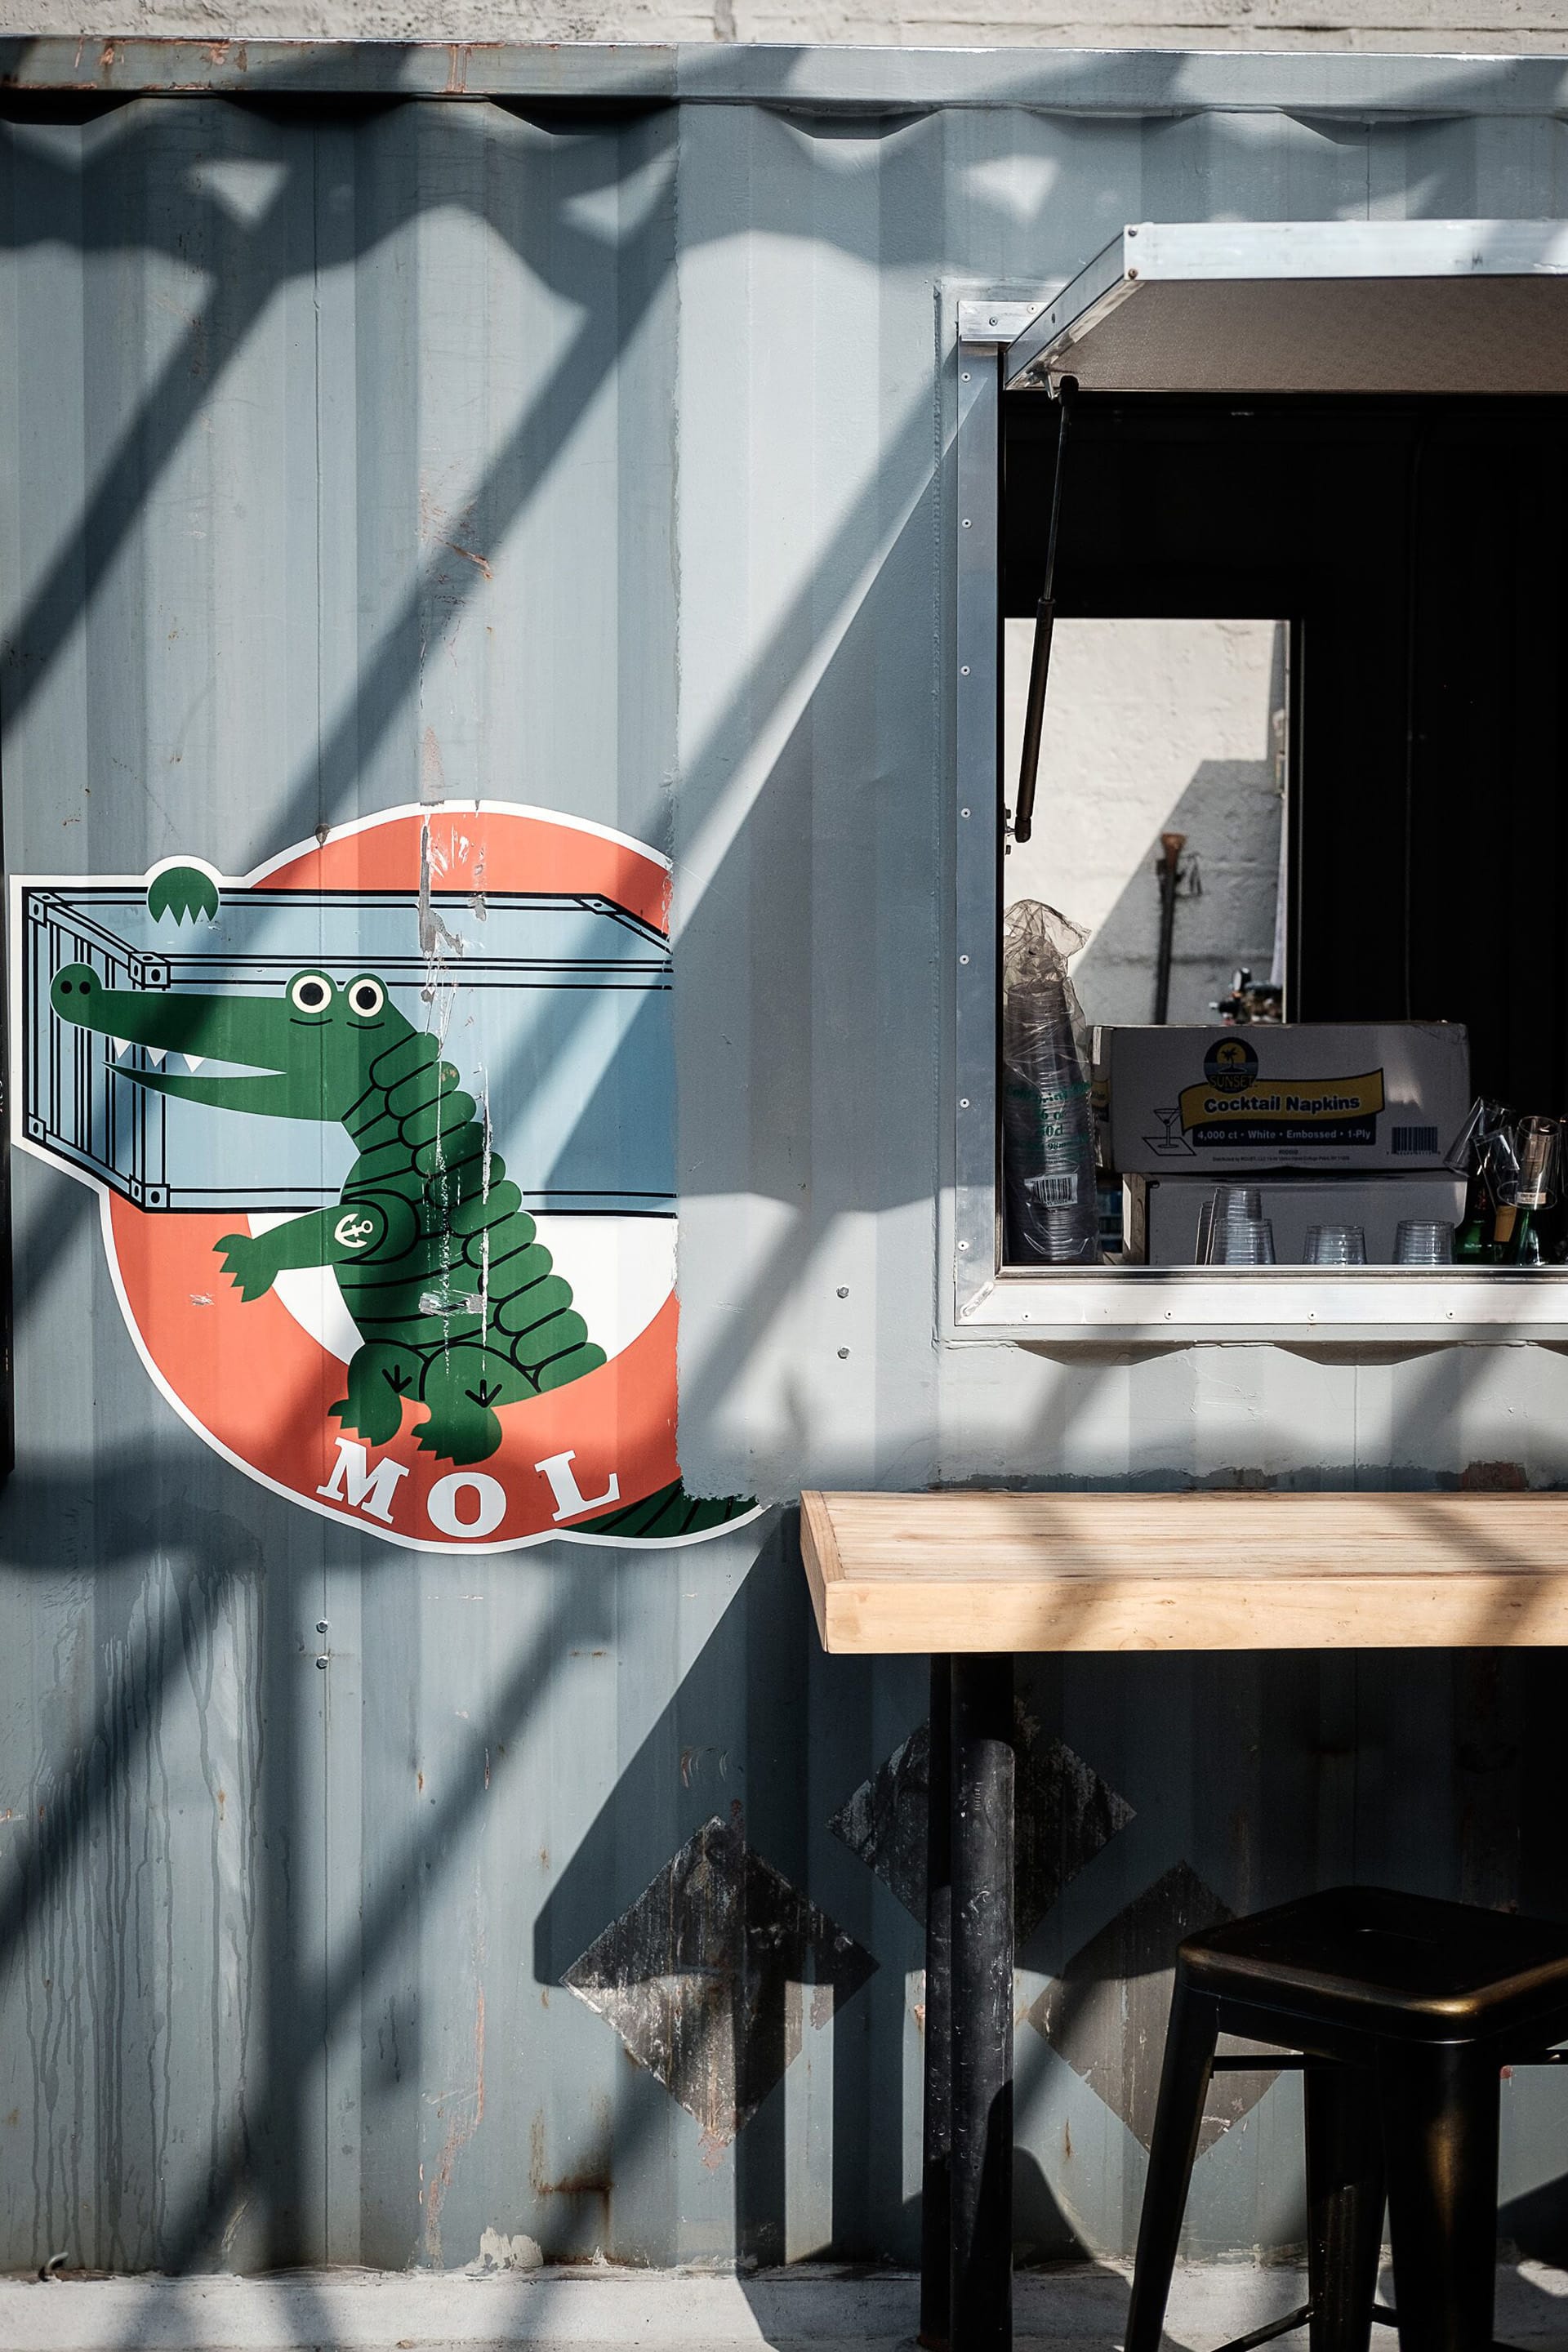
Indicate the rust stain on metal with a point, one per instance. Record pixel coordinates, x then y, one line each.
1493 1478
593 2177
466 2114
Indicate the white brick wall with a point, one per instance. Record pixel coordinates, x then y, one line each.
1474 26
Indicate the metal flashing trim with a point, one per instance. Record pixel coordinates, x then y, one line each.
976 1239
1106 82
983 323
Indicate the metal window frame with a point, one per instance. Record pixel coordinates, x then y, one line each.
1136 1306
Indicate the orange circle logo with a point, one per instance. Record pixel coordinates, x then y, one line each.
383 1133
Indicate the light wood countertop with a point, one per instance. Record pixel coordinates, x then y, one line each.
1239 1570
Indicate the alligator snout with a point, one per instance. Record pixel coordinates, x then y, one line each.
70 990
277 1055
147 1016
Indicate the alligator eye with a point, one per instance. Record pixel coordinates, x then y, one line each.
311 992
366 998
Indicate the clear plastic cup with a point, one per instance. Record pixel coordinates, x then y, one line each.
1242 1241
1228 1205
1335 1245
1421 1242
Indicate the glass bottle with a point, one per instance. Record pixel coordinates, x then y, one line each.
1538 1148
1483 1153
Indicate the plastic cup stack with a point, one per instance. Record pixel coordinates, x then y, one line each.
1244 1242
1335 1245
1420 1244
1240 1240
1228 1222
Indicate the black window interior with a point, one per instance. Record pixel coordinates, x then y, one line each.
1420 549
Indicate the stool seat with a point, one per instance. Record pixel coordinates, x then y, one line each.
1369 1961
1405 2009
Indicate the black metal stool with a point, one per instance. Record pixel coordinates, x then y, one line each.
1403 2011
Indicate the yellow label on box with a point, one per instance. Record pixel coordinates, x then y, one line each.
1311 1104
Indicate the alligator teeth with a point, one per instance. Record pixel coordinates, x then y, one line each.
156 1053
192 1061
121 1047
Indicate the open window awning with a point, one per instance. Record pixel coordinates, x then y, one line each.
1449 306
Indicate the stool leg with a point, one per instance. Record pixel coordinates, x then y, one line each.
1190 2041
1440 2145
1344 2204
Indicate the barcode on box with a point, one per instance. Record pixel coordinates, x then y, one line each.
1406 1140
1053 1192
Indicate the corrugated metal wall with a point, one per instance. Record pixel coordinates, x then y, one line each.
361 457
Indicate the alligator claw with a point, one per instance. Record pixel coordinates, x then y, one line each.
244 1263
469 1437
379 1379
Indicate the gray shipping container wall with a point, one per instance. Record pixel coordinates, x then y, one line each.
389 453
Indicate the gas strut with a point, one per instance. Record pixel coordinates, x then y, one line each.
1045 622
1168 868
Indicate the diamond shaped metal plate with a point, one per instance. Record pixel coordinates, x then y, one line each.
1106 2012
703 1976
1065 1814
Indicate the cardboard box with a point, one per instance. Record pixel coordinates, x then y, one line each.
1160 1214
1358 1094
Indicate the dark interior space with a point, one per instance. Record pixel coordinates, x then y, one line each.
1417 546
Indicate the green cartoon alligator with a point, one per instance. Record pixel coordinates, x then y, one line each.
454 1298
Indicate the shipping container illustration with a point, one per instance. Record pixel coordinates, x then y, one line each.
553 1008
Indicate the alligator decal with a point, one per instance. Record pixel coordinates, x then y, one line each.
455 1297
480 1398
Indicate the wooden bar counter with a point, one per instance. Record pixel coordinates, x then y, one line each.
971 1578
1233 1570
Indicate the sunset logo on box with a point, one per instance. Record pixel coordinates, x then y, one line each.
383 1133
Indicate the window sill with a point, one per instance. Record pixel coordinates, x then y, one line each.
1179 1305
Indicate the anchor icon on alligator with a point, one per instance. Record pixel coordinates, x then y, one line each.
455 1300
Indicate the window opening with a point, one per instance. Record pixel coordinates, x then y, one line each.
1391 846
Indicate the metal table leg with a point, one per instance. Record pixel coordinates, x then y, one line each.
936 2206
982 1995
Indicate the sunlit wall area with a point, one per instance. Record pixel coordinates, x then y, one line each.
1155 727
